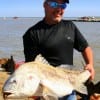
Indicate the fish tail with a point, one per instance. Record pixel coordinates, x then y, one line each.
80 82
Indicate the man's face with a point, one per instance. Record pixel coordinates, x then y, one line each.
54 13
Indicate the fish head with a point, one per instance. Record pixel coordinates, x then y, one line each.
24 82
20 85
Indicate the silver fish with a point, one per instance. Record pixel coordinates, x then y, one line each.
27 79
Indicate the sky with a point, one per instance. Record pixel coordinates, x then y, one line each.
34 8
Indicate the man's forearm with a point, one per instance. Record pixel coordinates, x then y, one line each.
88 55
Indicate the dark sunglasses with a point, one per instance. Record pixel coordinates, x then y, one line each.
56 5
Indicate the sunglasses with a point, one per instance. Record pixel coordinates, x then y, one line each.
56 5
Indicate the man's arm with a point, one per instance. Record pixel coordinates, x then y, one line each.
30 47
88 57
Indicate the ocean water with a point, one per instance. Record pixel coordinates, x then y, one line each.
12 30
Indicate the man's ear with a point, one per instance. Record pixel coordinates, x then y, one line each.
44 4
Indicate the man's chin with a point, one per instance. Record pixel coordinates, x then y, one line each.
57 19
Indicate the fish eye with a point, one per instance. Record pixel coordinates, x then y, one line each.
14 81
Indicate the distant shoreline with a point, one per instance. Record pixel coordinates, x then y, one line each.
85 20
77 19
88 19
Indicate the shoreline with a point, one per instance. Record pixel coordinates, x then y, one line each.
77 20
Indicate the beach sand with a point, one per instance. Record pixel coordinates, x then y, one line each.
3 77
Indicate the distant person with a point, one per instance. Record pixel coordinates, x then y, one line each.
56 39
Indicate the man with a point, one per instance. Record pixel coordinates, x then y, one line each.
56 39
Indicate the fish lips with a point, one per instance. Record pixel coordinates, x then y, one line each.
11 95
7 94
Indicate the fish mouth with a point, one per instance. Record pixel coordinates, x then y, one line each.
7 95
11 95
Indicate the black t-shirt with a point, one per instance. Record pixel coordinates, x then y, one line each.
54 42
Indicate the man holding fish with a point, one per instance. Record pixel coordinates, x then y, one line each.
56 39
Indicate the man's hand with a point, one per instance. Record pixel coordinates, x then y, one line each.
90 68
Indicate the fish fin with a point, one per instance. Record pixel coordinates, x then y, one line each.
84 76
80 82
40 58
48 94
81 88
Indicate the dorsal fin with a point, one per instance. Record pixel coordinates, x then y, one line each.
40 58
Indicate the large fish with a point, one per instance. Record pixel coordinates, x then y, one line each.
29 77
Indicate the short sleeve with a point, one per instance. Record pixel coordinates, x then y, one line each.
80 43
30 46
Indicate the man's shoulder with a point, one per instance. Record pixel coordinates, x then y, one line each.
33 28
68 23
37 25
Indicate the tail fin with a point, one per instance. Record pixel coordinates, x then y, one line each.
80 82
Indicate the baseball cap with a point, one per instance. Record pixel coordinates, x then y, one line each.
67 1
